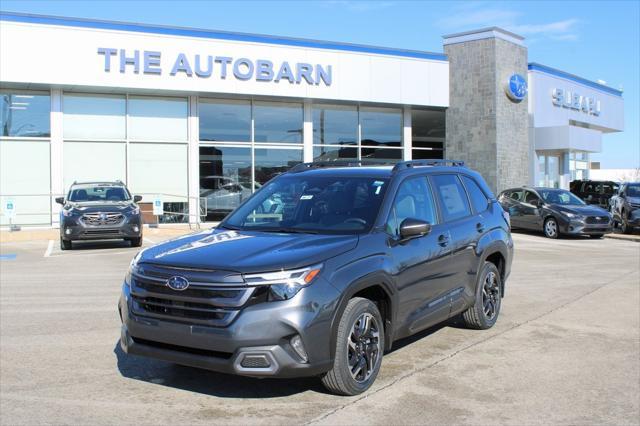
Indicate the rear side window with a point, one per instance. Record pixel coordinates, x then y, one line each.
452 197
479 201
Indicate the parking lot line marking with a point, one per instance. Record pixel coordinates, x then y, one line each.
149 240
10 256
47 253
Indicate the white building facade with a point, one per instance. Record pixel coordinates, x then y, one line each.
203 118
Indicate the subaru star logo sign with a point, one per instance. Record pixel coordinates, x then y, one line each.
178 283
516 88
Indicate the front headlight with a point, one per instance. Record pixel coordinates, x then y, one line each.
133 267
283 285
135 210
573 215
67 212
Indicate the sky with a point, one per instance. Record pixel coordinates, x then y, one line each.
597 40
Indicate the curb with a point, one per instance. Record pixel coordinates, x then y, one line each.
623 237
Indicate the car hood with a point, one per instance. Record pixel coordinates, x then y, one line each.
588 210
92 206
247 251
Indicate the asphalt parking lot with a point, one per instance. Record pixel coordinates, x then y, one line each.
566 349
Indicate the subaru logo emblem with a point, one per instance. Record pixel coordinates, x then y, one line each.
178 283
103 216
516 87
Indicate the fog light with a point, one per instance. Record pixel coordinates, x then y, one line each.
136 229
67 231
296 344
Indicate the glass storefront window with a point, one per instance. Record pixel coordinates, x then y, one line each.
382 155
277 122
427 134
225 120
225 179
333 153
381 126
271 162
25 114
157 119
335 124
94 116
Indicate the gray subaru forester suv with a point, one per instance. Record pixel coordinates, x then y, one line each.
321 270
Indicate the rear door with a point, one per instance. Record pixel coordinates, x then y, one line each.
464 228
512 201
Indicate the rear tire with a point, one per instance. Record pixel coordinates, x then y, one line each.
136 242
359 349
486 309
65 244
551 228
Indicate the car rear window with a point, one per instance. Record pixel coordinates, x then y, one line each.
479 201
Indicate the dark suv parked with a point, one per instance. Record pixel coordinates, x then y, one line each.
596 192
625 207
99 211
554 212
321 270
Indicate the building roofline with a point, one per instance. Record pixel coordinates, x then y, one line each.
484 30
533 66
215 34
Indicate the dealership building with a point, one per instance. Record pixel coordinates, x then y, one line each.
201 118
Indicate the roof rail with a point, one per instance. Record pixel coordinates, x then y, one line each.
426 163
338 163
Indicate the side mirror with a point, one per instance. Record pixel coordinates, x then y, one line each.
60 200
137 198
413 228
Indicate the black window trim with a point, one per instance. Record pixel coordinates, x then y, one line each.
464 185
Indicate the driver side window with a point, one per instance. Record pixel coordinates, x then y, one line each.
413 200
530 197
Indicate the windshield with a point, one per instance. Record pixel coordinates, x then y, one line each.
559 196
99 193
633 190
324 205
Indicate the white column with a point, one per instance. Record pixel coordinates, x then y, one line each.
406 133
56 150
307 133
193 161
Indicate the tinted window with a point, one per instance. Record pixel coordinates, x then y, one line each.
325 205
530 197
24 114
413 200
453 199
478 199
99 193
516 195
225 120
560 196
633 190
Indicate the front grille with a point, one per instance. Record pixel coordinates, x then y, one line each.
213 298
597 220
102 219
102 232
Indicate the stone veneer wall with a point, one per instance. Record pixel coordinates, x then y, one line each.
484 127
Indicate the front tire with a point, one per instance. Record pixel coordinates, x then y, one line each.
65 244
484 312
551 228
626 229
596 236
359 349
136 242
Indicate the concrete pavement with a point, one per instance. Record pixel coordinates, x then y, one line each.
566 349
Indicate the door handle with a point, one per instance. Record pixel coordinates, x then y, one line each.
480 227
443 240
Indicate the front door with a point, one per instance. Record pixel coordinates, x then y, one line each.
531 215
423 265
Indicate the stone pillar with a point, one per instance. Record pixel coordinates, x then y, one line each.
485 127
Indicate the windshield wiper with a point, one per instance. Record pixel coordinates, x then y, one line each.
230 227
288 230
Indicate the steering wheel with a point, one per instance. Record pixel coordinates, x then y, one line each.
356 220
